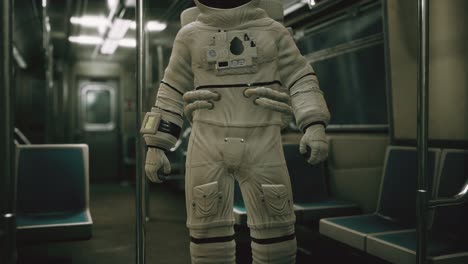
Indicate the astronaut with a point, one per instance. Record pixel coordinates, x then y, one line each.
234 71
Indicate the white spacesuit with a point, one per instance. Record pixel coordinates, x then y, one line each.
231 66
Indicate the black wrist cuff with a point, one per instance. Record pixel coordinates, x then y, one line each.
314 123
169 128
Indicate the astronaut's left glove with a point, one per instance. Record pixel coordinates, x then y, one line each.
314 138
270 99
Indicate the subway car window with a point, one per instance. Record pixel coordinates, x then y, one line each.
98 106
348 55
233 131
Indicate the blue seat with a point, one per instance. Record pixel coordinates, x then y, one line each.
396 207
240 213
53 193
311 198
448 234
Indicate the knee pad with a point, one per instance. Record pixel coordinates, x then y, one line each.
213 245
278 252
274 245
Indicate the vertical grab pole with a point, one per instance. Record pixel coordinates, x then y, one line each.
140 180
422 128
7 161
147 62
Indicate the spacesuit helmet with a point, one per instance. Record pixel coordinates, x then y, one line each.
223 4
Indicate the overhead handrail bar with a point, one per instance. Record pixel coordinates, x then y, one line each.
459 198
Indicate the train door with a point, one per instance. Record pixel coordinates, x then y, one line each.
99 127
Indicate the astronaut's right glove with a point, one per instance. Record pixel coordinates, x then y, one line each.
155 160
315 139
200 99
160 129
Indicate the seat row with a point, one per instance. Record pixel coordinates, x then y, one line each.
312 201
390 232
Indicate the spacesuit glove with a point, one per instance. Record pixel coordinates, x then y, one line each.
155 160
314 138
196 100
274 105
270 99
197 105
268 93
198 95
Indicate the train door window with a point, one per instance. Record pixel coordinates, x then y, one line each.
347 54
98 107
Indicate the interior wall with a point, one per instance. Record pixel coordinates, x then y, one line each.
448 82
355 165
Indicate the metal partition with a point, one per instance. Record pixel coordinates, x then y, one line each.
7 171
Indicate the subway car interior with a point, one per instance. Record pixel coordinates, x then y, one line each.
78 77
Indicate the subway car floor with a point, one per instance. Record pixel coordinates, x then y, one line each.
113 241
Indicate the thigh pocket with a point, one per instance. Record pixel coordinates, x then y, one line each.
276 199
206 199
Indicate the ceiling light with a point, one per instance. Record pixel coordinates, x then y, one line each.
128 43
85 40
294 7
153 25
90 21
44 3
109 46
119 28
112 4
18 58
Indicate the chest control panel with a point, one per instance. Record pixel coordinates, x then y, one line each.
233 52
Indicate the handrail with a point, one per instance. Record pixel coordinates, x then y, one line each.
422 130
7 161
459 198
140 197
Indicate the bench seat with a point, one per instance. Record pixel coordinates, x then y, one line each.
396 208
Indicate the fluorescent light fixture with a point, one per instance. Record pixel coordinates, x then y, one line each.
109 46
119 28
18 58
130 3
90 21
153 25
112 4
128 43
294 7
311 3
85 40
44 3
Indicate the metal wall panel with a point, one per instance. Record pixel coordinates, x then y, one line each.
448 57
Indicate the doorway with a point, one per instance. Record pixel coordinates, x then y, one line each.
99 126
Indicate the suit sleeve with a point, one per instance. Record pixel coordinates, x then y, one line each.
178 77
162 126
298 76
